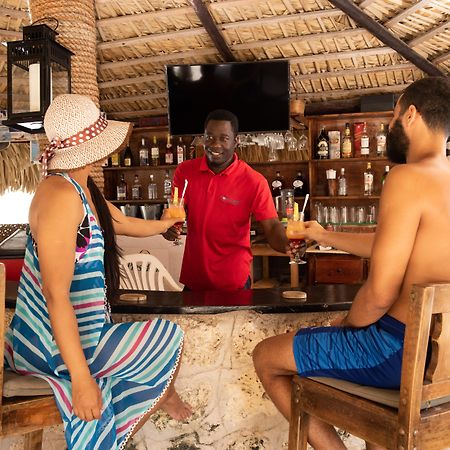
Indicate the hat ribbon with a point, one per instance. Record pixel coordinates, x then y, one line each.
78 138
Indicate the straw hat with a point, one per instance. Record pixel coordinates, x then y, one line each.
79 134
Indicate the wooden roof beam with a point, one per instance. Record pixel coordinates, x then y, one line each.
140 113
210 26
385 36
14 13
134 98
130 81
429 34
11 35
407 12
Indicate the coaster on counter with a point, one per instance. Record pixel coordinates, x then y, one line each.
133 297
294 296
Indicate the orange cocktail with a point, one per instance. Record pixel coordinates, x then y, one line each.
176 211
294 232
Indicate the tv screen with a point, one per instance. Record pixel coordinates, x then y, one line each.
257 92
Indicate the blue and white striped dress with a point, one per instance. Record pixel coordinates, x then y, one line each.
133 363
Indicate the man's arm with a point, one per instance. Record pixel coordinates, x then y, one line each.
399 220
275 234
359 244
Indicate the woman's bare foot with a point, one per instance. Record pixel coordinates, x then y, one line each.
175 407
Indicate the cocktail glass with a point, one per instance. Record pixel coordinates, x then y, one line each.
176 211
294 232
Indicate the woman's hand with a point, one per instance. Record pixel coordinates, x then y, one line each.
86 398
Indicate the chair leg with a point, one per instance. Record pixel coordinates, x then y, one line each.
33 440
298 424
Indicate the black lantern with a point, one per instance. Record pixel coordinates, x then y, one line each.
38 70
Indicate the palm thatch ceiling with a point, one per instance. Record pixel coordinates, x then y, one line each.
339 50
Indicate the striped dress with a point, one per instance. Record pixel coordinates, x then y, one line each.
133 363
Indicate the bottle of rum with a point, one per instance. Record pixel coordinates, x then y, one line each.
122 188
323 144
365 149
368 180
347 144
154 152
277 185
342 183
115 160
167 185
181 151
381 141
385 174
299 185
128 157
143 154
169 151
136 189
152 188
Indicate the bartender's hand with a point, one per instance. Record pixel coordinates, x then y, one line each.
173 232
314 232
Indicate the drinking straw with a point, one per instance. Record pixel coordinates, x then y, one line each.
304 203
184 189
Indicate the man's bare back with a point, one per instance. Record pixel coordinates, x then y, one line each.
430 257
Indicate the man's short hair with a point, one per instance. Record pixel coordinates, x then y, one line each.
431 97
223 114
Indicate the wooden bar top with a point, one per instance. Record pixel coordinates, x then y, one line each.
326 297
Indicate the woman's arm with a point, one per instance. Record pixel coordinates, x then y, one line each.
55 233
131 226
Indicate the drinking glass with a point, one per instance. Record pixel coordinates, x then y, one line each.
294 232
175 211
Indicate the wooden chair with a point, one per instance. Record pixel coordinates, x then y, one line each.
145 272
26 415
417 417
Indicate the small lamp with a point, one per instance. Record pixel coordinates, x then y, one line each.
38 70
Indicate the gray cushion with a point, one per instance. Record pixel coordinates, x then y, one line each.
15 385
388 397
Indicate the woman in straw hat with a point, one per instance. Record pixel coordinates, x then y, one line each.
107 378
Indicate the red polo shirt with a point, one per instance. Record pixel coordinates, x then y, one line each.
217 253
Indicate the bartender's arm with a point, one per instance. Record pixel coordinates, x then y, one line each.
275 234
359 244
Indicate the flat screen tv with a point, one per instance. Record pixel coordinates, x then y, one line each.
257 92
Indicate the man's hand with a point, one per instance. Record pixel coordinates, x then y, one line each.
86 398
314 232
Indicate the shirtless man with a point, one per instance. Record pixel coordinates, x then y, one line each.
414 216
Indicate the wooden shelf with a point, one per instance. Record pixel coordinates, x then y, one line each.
145 201
345 197
350 160
123 168
274 163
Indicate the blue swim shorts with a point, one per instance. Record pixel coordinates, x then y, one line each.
371 356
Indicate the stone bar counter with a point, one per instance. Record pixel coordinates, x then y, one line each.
231 410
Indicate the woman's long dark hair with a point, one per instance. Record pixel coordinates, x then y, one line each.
112 250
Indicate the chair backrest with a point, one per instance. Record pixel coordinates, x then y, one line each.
142 271
428 320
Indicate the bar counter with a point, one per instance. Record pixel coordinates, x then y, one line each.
217 376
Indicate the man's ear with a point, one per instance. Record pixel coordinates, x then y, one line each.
411 115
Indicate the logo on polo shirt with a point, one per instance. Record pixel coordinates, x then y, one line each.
229 200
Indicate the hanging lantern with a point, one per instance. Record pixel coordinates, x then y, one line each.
38 70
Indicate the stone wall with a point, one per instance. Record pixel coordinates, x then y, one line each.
217 378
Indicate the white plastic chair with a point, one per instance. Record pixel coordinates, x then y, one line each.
145 272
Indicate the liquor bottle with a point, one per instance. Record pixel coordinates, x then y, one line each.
342 183
365 150
385 174
122 188
154 152
181 151
381 141
167 185
115 162
323 144
169 151
347 144
277 185
152 188
290 202
128 157
368 180
136 189
143 154
299 185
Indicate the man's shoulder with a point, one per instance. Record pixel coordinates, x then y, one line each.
189 165
252 174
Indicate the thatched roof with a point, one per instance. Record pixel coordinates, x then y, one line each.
332 56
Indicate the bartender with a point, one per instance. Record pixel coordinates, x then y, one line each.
223 193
